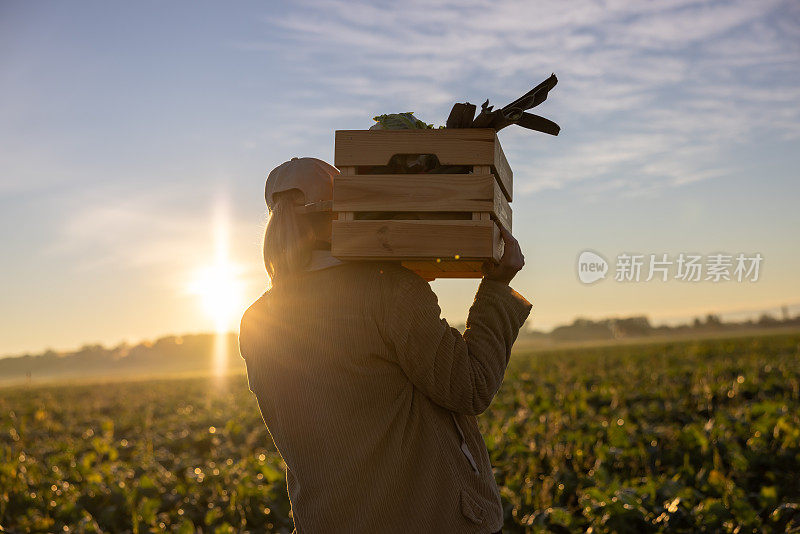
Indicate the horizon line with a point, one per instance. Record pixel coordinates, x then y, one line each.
664 321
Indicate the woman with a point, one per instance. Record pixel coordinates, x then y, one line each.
370 396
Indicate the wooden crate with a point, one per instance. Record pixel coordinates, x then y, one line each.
453 146
438 225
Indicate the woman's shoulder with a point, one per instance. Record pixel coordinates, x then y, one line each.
397 282
359 269
389 272
250 332
256 310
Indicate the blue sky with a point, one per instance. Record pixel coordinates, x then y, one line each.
125 127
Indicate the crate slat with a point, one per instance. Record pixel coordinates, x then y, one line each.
446 268
419 265
448 274
454 146
416 239
414 192
502 211
452 266
421 192
504 174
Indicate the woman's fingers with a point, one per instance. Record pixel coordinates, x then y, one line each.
510 263
512 249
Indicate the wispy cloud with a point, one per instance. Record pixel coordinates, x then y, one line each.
149 232
651 95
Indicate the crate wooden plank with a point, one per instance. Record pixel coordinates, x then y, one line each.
419 266
504 173
444 266
415 239
414 192
498 245
345 215
445 269
470 266
449 274
462 146
502 210
452 266
453 146
421 192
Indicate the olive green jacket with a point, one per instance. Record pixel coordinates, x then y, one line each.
370 397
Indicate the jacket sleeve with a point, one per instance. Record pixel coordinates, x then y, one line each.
460 373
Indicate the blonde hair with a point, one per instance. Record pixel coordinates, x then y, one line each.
288 240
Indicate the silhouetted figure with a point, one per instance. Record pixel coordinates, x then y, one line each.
369 395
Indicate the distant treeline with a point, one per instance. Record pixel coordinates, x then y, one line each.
196 353
167 355
640 327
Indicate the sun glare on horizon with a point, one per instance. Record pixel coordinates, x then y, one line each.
220 292
220 289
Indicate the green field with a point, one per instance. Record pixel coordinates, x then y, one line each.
669 437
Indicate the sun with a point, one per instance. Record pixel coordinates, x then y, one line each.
220 290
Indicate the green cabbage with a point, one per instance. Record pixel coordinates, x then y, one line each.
399 121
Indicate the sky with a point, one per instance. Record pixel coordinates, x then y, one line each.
131 133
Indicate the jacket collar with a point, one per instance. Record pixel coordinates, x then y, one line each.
321 259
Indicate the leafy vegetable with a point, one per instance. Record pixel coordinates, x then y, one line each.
400 121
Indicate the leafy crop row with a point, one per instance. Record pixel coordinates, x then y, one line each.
676 437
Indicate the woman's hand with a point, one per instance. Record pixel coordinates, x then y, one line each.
510 264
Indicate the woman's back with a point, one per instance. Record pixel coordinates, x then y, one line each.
366 393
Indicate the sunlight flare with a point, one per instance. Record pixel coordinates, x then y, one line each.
220 292
220 289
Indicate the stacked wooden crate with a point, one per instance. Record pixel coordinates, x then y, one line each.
438 225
